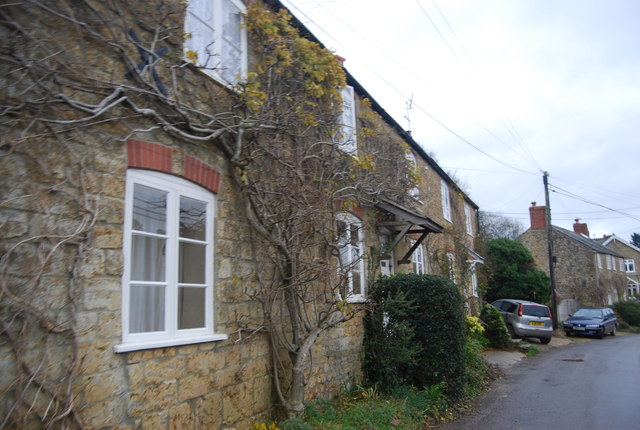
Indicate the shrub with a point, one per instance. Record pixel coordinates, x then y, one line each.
496 330
511 273
629 311
415 334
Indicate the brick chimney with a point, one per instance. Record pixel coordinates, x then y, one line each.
581 228
538 217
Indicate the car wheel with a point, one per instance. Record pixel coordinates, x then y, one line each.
614 330
601 334
545 340
512 332
568 333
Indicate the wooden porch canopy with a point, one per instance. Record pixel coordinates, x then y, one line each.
407 222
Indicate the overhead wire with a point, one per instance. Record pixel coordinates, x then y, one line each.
566 193
399 92
507 124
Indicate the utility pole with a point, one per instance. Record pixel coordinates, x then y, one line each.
554 303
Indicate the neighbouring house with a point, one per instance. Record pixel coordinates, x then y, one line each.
586 272
631 255
142 254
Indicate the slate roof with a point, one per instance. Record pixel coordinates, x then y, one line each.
585 241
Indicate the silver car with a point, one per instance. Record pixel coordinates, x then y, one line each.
526 319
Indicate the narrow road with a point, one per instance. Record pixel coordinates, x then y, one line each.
591 385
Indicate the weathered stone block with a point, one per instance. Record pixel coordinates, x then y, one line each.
101 386
135 373
13 224
109 324
202 363
103 293
160 370
97 356
107 237
181 417
114 264
193 386
102 414
153 397
93 265
237 403
208 411
154 421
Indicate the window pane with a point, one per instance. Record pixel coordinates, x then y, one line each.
231 63
193 216
147 258
146 312
232 37
199 21
354 229
342 233
149 210
192 263
356 277
191 308
232 26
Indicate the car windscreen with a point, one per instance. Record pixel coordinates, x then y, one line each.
535 311
588 313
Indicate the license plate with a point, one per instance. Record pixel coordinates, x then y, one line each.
537 324
577 328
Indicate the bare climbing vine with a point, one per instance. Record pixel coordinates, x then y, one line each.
86 75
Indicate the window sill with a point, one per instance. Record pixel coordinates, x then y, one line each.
356 300
137 346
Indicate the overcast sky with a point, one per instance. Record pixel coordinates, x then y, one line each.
502 90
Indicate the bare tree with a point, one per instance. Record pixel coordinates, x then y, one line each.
493 226
104 71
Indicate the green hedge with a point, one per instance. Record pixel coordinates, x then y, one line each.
629 311
495 329
415 334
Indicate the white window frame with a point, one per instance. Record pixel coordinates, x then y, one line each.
446 202
417 260
411 159
174 188
468 223
609 263
633 287
451 260
621 264
474 282
599 258
204 25
353 265
387 267
347 139
630 265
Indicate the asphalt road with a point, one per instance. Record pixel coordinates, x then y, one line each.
590 385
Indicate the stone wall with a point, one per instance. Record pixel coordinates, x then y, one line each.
61 223
576 270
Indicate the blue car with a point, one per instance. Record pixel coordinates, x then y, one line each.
596 322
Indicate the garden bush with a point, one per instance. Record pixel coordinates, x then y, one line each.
415 334
495 328
629 311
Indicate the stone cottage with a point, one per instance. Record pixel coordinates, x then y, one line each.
159 166
631 255
586 272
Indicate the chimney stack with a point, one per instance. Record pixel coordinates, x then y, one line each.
580 228
538 217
